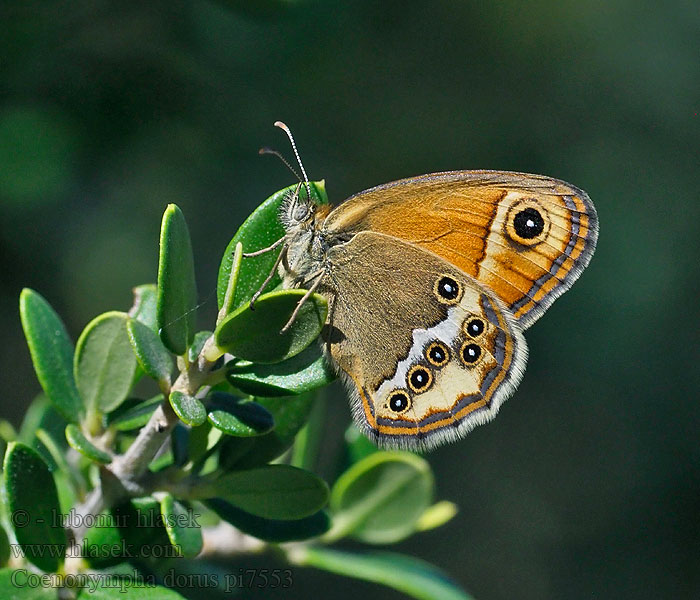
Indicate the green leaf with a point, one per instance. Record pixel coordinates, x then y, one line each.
380 499
133 414
232 449
4 548
68 478
189 409
32 505
197 345
437 515
199 441
7 431
254 335
271 530
238 417
272 492
289 415
102 545
177 290
42 414
138 523
357 445
154 359
132 530
304 372
78 441
308 440
129 587
260 230
144 307
235 271
104 362
52 354
183 530
408 575
15 583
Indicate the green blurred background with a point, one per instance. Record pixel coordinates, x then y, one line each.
586 486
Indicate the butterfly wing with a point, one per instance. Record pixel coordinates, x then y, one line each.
526 237
430 352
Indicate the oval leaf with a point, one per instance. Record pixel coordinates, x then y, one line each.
411 576
78 441
197 344
144 307
133 414
237 417
177 290
104 362
290 414
154 359
254 335
381 498
260 230
33 504
183 530
271 530
52 354
305 372
272 492
189 409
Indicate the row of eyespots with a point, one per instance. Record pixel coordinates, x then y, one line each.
420 378
470 352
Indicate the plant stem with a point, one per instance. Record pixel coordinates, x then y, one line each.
121 478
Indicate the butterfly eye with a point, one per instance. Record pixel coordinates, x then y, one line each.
470 353
399 401
437 354
474 327
301 212
419 378
447 290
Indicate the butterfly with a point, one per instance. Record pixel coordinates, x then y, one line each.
431 282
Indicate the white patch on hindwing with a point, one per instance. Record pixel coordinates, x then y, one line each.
445 331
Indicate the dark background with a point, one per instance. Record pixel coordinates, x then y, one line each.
586 486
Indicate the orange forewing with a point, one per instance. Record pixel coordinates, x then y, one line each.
466 218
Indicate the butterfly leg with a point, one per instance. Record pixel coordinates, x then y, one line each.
264 250
272 273
304 298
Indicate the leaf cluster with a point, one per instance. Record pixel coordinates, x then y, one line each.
102 476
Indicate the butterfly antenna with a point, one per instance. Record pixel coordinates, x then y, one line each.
282 158
284 128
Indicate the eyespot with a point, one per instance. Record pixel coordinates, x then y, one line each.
437 354
474 327
399 401
419 378
527 222
470 354
447 290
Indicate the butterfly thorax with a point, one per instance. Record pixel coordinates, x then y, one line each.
307 244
